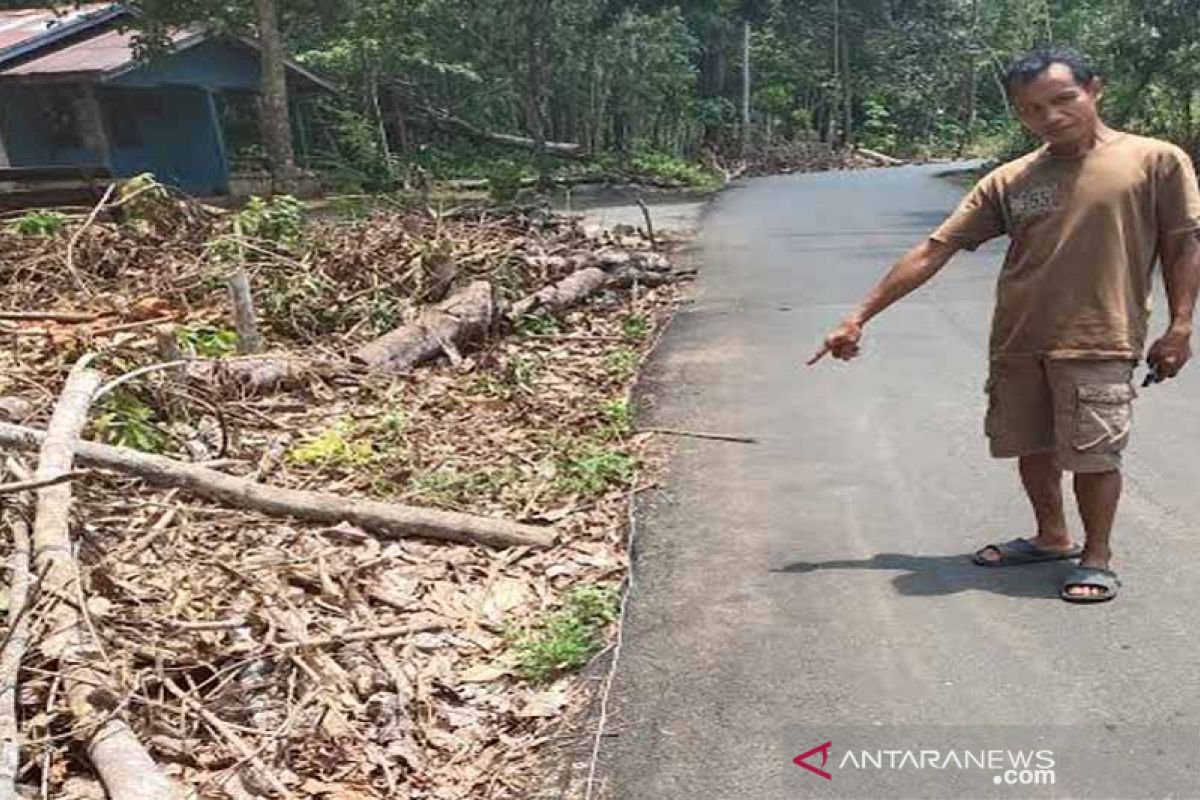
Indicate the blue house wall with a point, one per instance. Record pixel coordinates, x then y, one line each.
160 117
25 117
178 140
213 64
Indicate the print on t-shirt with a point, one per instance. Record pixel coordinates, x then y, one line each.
1035 201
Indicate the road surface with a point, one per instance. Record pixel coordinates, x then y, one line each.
814 587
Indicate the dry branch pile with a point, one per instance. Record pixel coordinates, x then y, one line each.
795 157
384 647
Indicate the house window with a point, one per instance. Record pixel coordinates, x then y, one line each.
128 115
61 122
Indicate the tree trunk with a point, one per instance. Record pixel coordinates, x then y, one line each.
972 90
277 126
537 20
468 315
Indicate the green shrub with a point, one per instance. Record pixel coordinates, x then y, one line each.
39 223
566 639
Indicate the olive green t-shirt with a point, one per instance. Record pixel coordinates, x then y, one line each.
1085 234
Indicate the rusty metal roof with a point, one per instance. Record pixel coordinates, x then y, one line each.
109 51
87 44
36 26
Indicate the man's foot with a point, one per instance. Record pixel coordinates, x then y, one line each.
1089 590
1027 551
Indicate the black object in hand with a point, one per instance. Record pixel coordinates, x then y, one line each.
1151 377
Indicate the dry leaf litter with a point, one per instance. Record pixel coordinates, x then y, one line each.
283 635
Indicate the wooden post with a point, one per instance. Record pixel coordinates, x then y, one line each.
245 320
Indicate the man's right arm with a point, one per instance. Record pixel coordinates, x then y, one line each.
916 267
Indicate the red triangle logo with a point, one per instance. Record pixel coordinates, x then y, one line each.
801 760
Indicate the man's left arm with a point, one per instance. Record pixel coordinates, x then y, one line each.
1181 278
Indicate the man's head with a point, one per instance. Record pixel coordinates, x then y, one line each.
1055 93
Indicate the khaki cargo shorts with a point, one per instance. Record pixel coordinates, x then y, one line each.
1082 410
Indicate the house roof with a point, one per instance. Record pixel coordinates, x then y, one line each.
107 52
26 30
86 45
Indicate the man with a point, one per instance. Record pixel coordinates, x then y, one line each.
1088 214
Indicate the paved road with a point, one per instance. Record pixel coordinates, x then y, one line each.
812 587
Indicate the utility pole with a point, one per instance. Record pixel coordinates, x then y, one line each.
745 88
837 86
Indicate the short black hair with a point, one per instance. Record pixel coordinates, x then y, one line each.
1032 64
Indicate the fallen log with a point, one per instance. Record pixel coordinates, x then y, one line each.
258 374
882 158
466 316
561 295
386 520
579 285
124 766
447 121
14 652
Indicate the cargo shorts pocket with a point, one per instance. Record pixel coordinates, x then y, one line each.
990 426
1103 416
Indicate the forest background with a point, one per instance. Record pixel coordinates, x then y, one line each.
659 88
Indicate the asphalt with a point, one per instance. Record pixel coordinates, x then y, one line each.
814 587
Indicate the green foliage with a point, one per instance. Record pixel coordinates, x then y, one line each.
296 303
336 447
878 131
666 168
538 325
589 469
504 183
278 220
206 341
635 327
39 223
452 488
620 364
566 639
617 416
124 420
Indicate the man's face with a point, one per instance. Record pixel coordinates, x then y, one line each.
1058 110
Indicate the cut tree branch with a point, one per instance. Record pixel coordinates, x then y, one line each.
386 520
124 766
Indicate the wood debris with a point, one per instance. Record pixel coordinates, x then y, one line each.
261 652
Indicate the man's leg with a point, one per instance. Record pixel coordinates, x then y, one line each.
1098 494
1042 479
1093 422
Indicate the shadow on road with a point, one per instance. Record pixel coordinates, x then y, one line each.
943 575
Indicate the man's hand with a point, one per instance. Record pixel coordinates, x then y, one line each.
1170 353
842 342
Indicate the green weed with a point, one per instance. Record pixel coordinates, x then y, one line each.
335 447
566 639
39 223
126 421
279 219
537 325
589 469
617 417
206 341
635 327
620 364
447 486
